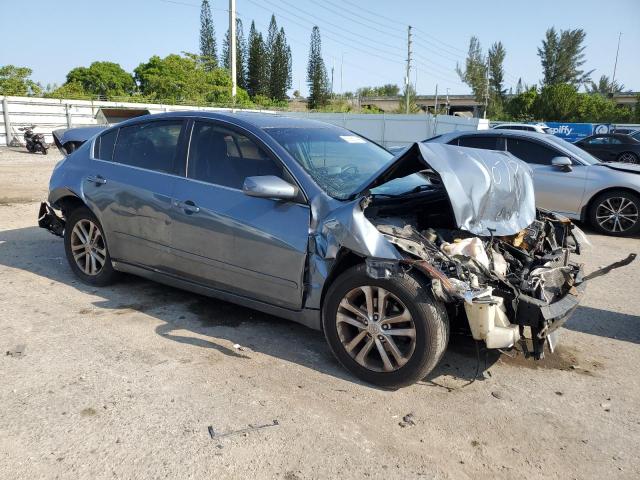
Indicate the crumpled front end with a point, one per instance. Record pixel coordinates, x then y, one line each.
514 289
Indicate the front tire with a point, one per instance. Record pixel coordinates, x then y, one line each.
86 249
388 332
616 213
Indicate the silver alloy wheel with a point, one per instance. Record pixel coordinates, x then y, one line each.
628 157
376 329
617 214
88 248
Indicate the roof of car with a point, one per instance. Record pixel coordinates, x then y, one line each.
507 125
445 137
256 119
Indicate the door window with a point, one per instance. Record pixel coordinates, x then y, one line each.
104 145
531 152
223 157
152 145
479 141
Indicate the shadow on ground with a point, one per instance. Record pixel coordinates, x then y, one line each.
183 314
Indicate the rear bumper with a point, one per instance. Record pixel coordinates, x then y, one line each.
48 220
544 318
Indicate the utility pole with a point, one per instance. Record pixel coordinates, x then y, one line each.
615 65
408 75
486 92
232 46
341 65
447 101
435 102
332 80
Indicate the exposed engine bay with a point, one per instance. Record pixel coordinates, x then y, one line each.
503 284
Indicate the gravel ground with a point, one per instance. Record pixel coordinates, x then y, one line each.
123 382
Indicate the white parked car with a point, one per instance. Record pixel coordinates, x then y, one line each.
538 127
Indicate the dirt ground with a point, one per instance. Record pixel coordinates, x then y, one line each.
124 382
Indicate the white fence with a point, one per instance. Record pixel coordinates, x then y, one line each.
50 114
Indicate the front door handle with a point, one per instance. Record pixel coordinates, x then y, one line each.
98 180
188 206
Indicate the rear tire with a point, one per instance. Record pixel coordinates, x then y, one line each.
86 249
605 207
383 329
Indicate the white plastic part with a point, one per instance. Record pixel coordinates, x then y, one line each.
469 247
499 263
489 322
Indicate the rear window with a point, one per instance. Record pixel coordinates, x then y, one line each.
152 145
104 145
479 141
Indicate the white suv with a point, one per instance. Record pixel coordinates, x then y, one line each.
538 127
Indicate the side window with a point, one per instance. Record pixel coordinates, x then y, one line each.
614 141
479 141
531 152
104 145
223 157
598 141
150 145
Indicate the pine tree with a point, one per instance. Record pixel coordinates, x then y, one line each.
241 54
561 56
280 71
475 71
272 33
497 53
208 51
317 73
257 80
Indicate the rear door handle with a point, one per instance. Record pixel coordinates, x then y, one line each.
188 206
98 180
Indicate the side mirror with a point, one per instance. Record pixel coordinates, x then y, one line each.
269 186
563 163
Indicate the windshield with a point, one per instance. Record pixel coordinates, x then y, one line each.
338 160
635 135
575 150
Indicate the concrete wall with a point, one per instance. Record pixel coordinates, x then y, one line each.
389 130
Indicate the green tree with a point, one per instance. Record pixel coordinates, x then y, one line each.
70 90
557 103
184 79
409 90
15 81
241 55
269 43
605 86
387 90
280 70
521 106
106 79
208 49
562 55
317 74
497 92
475 70
257 79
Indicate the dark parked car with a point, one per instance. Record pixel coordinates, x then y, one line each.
612 147
568 179
314 223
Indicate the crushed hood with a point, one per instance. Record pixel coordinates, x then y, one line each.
490 191
77 135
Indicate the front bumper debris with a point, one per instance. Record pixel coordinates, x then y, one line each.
48 220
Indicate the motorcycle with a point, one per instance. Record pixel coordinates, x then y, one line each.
35 141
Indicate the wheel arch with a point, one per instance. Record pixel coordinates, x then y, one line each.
584 215
345 259
67 202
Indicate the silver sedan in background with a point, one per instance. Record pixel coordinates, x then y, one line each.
567 179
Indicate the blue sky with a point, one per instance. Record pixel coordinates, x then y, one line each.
53 37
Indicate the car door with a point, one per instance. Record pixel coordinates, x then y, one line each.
129 187
225 239
557 189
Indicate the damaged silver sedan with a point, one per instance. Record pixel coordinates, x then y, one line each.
316 224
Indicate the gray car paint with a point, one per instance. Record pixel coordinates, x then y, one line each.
267 254
559 190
